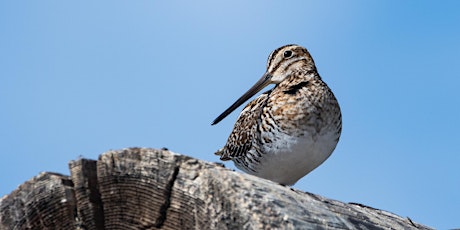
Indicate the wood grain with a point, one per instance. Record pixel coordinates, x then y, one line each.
140 188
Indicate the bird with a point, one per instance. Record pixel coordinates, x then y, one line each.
289 130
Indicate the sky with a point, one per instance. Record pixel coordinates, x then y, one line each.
81 78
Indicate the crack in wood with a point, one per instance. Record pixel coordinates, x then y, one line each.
167 203
411 222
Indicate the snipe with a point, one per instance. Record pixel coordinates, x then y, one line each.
291 129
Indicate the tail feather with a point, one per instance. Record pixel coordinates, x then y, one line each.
223 154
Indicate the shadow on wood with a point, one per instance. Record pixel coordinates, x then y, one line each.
141 188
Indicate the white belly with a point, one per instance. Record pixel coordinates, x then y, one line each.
287 158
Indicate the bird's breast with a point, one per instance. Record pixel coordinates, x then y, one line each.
287 158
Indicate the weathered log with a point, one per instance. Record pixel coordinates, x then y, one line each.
44 202
141 188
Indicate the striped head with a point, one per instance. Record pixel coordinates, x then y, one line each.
281 63
286 59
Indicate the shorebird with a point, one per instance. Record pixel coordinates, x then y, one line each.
289 130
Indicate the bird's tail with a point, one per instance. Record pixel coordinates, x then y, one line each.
222 154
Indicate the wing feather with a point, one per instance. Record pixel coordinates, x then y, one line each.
245 129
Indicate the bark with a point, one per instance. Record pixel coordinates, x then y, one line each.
140 188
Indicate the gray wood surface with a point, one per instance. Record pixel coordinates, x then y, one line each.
141 188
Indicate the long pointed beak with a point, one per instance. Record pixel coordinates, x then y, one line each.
260 84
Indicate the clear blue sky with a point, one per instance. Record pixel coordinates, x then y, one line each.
81 78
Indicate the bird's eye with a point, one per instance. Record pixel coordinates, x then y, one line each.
287 54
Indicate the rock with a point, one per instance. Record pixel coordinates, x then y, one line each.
140 188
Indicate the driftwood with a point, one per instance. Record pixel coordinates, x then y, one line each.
148 189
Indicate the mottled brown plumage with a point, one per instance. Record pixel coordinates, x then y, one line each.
288 131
